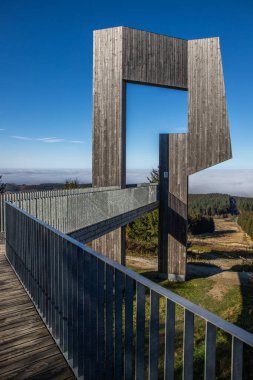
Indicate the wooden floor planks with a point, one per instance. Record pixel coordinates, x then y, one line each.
27 350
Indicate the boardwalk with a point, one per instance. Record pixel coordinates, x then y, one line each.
27 350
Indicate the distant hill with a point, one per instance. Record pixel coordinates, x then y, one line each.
218 204
213 204
43 186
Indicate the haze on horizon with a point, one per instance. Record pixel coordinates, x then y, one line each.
229 181
46 87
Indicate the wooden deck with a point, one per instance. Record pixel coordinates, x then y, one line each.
27 350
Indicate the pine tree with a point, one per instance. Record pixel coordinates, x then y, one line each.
71 184
2 186
154 176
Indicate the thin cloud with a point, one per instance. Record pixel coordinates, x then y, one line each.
21 138
2 129
48 140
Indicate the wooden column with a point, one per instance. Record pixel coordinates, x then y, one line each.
124 55
109 125
163 204
173 206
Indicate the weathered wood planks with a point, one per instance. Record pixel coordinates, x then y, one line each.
120 55
124 55
27 350
208 138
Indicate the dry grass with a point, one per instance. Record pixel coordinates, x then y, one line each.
216 282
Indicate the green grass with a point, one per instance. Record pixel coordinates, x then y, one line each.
236 306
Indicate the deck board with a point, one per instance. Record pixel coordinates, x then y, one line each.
27 350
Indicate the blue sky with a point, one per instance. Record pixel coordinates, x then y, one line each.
46 78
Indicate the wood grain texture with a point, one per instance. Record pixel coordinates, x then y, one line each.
124 55
208 138
173 206
108 143
154 59
177 205
120 55
27 349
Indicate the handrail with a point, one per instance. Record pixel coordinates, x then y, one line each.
228 327
31 195
70 210
82 295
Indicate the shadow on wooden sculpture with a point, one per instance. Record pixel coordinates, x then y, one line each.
124 55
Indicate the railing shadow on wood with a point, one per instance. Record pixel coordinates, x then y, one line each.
105 317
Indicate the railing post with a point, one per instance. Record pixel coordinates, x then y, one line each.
210 351
140 332
188 345
237 359
101 320
109 322
128 360
153 336
169 356
118 325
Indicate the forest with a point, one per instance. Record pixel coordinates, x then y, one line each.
245 220
218 204
142 234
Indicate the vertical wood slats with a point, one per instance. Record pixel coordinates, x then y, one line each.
128 55
163 203
208 137
210 352
145 60
119 55
177 205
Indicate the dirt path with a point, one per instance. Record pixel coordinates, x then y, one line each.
227 234
221 256
226 248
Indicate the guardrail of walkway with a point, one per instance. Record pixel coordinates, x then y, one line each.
71 210
106 318
42 204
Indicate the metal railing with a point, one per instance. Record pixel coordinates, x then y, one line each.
71 210
106 318
43 203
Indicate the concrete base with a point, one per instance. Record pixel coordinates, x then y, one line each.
172 277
